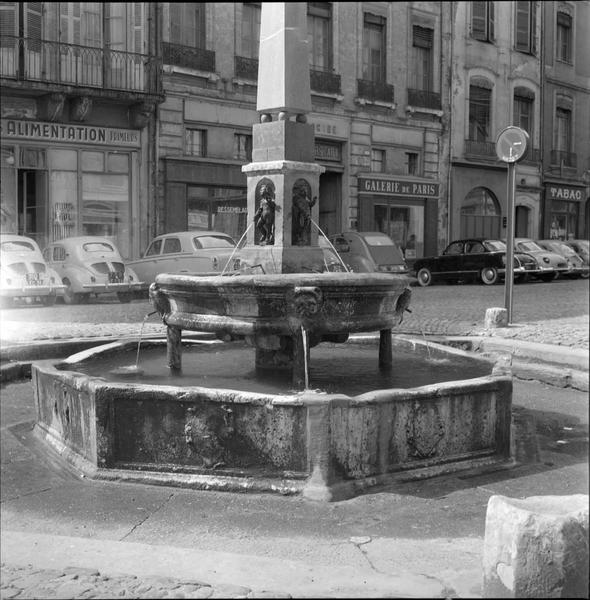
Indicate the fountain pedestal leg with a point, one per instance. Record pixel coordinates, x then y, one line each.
385 349
174 348
300 361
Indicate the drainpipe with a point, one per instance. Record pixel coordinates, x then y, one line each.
541 225
450 106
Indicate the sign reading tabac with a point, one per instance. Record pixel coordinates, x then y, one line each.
40 131
398 187
565 192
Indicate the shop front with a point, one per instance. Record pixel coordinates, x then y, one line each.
63 180
406 210
565 208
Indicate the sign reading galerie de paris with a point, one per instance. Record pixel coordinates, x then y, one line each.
398 187
40 131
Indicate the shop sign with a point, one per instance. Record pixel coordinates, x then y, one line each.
232 209
565 192
39 131
327 151
397 187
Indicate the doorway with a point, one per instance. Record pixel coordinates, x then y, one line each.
521 224
32 204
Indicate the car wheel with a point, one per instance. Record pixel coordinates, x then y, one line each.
489 275
549 277
585 275
424 277
70 297
125 297
49 300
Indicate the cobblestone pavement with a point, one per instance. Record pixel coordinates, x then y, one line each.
29 582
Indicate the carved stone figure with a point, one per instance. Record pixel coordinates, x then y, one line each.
264 219
302 204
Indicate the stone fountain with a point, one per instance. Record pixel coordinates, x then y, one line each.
326 446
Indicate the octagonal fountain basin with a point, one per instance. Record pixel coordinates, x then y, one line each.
219 426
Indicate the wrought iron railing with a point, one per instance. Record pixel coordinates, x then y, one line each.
375 90
26 59
324 81
424 99
533 155
246 67
187 56
568 159
479 148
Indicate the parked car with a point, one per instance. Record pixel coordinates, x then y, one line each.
203 252
576 265
582 249
550 263
332 260
91 265
369 251
24 273
473 259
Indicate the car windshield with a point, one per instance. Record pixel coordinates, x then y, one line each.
530 246
562 248
383 250
213 241
494 245
18 246
97 247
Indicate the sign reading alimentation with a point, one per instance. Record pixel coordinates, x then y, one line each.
39 131
398 187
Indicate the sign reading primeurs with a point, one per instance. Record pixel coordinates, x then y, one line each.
39 131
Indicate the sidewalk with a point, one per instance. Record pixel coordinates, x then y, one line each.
65 537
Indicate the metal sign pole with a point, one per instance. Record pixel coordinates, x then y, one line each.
509 280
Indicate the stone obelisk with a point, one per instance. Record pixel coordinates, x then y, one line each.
283 179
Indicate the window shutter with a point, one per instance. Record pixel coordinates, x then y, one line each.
8 24
175 19
491 21
423 37
478 20
138 29
533 27
34 25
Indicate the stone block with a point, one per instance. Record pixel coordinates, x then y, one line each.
496 317
536 547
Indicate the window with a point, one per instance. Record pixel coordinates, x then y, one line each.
155 248
374 48
242 146
187 24
422 49
564 37
525 27
479 113
480 215
412 163
377 161
196 142
319 35
171 246
482 21
523 113
563 122
250 30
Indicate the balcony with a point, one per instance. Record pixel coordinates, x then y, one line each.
24 59
561 157
375 91
424 99
533 155
189 57
246 67
324 82
480 149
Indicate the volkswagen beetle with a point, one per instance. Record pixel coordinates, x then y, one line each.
576 265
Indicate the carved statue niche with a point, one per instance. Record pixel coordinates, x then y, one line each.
301 222
80 108
264 218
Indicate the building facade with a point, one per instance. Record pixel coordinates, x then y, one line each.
80 83
566 120
379 85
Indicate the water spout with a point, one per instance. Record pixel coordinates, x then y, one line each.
331 246
238 247
305 351
426 343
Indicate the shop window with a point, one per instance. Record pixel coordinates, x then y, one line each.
63 160
525 27
479 113
250 29
480 214
319 35
374 48
117 163
196 142
564 37
404 225
242 146
422 50
377 161
482 21
93 161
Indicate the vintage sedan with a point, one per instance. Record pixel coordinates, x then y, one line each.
24 273
369 251
332 260
551 265
201 252
582 249
91 265
577 267
473 259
